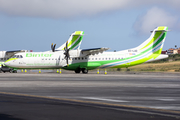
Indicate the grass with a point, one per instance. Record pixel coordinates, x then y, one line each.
173 66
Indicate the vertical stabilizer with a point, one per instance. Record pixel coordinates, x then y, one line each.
74 41
155 42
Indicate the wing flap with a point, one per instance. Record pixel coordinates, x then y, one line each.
93 51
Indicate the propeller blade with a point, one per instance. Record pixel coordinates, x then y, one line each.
52 47
66 45
67 62
66 53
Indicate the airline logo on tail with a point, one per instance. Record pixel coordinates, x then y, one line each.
155 42
74 41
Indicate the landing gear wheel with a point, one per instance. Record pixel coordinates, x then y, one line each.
84 70
10 71
77 70
15 71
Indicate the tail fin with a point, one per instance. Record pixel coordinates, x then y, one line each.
155 42
74 41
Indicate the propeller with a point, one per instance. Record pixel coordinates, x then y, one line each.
66 53
53 47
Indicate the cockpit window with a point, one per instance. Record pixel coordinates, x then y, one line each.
13 56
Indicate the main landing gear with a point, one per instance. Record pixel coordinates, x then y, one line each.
84 70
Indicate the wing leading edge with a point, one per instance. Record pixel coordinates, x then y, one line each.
93 51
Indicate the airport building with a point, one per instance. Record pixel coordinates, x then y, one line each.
171 51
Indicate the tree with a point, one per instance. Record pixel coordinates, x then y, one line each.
175 46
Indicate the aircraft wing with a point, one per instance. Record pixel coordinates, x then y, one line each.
11 53
93 51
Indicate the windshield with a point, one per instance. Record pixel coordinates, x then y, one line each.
17 56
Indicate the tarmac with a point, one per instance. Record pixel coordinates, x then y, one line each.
130 95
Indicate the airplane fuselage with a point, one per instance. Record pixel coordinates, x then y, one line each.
55 60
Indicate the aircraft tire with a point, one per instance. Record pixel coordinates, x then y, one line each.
15 71
84 70
77 70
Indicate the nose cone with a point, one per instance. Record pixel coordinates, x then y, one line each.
6 63
9 62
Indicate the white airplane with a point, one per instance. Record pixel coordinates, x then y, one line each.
74 44
88 59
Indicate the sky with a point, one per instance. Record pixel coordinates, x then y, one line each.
116 24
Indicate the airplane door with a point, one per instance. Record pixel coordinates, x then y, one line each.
58 61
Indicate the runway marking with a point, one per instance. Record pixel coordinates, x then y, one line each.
107 105
167 99
103 99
